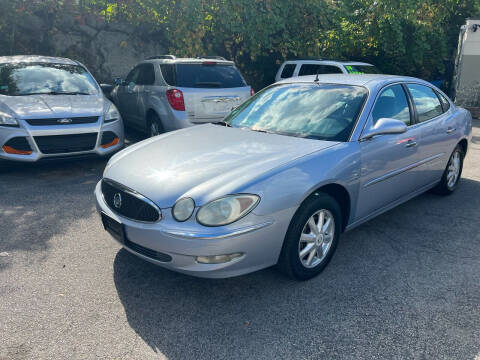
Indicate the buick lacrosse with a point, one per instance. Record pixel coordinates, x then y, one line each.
53 107
283 175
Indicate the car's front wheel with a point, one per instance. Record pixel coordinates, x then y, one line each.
311 238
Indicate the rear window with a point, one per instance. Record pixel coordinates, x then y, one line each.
203 76
362 69
288 70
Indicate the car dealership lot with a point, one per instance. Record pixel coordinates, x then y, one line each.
404 285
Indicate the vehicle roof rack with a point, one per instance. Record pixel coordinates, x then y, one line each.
212 57
171 57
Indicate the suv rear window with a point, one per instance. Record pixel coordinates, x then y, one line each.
313 69
202 76
362 69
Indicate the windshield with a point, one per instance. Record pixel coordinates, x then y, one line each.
18 79
362 69
323 111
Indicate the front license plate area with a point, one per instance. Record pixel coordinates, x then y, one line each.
113 227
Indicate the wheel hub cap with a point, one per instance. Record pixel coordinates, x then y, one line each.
316 238
453 169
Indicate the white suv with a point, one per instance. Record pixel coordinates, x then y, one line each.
294 68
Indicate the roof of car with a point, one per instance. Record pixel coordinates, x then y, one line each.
36 59
368 80
189 60
329 61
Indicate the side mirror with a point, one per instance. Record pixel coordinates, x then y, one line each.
119 81
385 126
106 88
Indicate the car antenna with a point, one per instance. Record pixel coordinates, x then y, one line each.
316 78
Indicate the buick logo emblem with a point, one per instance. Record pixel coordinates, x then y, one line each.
117 200
64 121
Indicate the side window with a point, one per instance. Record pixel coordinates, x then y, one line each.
288 70
426 102
147 75
444 101
168 72
313 69
392 103
133 76
330 69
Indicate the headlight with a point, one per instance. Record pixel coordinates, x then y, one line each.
7 120
183 209
112 114
226 210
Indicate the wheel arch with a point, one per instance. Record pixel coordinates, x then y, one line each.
464 145
341 196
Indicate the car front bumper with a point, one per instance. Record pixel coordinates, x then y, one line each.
32 134
260 242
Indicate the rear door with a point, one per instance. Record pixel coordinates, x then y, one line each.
389 170
145 82
438 128
210 89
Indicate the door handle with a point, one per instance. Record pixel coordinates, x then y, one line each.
411 144
451 130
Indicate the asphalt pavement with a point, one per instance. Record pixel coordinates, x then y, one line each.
405 285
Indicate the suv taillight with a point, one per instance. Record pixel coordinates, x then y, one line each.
175 99
252 92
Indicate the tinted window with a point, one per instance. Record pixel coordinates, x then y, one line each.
146 75
444 101
426 102
168 72
43 78
208 76
322 111
288 70
132 76
392 103
313 69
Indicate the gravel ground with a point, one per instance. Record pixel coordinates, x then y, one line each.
405 285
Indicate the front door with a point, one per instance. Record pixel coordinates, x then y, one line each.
389 170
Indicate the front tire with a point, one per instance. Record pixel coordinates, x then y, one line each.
453 172
311 238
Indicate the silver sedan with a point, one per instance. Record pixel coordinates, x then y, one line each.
53 107
284 174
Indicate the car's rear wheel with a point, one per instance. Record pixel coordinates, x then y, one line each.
155 126
453 172
311 238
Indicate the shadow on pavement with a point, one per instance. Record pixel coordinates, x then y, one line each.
406 281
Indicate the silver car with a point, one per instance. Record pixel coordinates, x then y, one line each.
166 93
288 171
53 107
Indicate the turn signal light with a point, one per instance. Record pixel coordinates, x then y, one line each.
175 99
111 143
11 150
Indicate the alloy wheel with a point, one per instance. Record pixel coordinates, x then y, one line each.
316 238
453 170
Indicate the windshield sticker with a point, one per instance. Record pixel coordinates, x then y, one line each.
351 70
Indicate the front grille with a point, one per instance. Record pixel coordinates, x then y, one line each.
128 203
63 121
58 144
148 252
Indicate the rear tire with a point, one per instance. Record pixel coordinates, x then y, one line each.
451 175
311 238
154 126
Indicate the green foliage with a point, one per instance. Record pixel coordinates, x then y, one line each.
412 37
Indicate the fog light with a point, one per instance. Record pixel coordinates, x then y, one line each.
218 259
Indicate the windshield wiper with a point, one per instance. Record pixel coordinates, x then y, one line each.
223 123
55 93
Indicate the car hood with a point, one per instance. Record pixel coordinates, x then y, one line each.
204 162
44 106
